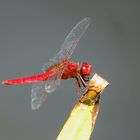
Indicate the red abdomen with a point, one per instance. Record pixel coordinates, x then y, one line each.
29 79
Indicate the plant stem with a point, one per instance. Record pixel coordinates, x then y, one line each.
82 119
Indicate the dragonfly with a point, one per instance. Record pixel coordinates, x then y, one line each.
57 68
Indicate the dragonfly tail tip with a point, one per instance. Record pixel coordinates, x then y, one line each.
4 83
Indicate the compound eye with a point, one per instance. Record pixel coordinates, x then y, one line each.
86 69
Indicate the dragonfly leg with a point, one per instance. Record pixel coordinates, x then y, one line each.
78 82
86 78
77 85
83 81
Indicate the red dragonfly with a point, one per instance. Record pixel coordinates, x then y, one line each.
59 67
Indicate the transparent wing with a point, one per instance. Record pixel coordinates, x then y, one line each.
38 95
54 81
40 90
69 43
73 38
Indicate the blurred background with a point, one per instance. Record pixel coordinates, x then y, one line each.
32 31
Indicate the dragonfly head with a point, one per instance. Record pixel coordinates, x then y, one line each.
85 69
